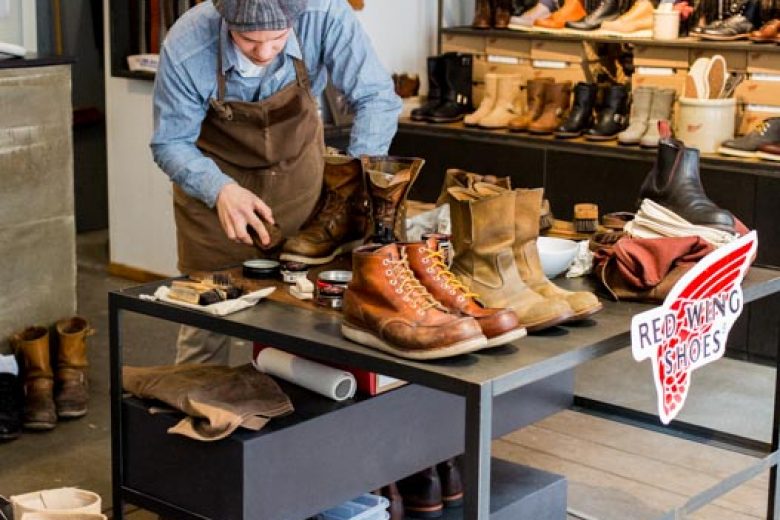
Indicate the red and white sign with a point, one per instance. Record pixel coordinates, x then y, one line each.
690 329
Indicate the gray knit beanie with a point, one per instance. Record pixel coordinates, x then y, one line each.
259 15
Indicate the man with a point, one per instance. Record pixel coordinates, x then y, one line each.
237 127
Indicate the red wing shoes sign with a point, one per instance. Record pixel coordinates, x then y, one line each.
691 327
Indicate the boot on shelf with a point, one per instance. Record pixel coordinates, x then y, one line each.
612 118
557 99
503 13
396 507
32 347
435 72
72 389
389 180
488 101
581 115
660 110
451 483
570 11
637 22
483 234
456 99
340 220
11 399
525 20
483 14
422 494
535 89
464 179
606 11
505 108
642 98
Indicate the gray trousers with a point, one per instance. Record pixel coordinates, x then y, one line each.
196 345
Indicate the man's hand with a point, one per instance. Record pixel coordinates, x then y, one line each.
238 207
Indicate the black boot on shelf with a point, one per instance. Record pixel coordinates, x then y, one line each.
613 116
11 404
451 483
581 115
435 69
422 494
606 11
456 99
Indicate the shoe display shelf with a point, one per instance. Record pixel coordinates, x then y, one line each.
326 452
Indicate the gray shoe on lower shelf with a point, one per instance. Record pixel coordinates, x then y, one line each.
640 112
747 145
660 110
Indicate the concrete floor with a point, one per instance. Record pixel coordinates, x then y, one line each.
730 395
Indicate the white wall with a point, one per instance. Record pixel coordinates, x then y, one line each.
141 228
17 23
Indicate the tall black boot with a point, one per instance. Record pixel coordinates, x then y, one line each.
674 183
435 81
581 115
456 89
613 117
607 10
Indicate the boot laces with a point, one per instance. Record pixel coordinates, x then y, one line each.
443 274
406 284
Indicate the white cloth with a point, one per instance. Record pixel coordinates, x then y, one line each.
583 261
436 220
328 381
218 309
8 365
655 221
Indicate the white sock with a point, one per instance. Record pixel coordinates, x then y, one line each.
8 365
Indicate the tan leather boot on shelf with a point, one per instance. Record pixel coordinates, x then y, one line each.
535 95
72 389
557 99
389 180
500 326
488 101
339 222
482 15
570 11
386 308
506 107
462 178
637 21
483 233
32 346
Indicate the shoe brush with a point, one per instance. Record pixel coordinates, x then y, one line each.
586 217
546 219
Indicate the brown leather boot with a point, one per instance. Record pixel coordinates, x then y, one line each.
32 345
500 326
464 179
339 223
389 180
503 13
396 507
535 94
72 393
451 483
483 233
386 307
482 15
557 98
422 494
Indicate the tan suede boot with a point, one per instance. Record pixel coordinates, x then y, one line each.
506 107
462 178
72 394
534 106
488 101
557 99
32 346
389 180
483 233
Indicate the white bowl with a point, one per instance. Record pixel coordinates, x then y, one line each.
556 254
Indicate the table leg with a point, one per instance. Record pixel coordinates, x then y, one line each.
115 368
773 510
479 424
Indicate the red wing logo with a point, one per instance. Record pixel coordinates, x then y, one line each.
690 329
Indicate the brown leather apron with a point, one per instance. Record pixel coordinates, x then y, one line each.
274 148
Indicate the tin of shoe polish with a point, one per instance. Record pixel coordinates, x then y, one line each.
261 268
330 287
292 271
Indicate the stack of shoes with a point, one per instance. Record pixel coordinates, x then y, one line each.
499 105
706 78
535 94
637 22
492 13
768 33
557 99
580 117
449 89
613 115
649 106
570 11
527 17
426 494
606 11
761 142
744 17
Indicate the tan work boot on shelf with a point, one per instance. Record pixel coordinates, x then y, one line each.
386 308
483 233
570 11
506 107
500 326
389 180
339 222
32 346
636 22
534 105
71 395
488 101
462 178
557 99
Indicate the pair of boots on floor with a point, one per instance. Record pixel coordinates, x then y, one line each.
53 390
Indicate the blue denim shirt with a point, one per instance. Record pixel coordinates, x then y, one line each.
333 43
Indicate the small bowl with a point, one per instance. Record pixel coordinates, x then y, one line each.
556 254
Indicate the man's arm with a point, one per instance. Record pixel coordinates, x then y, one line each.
356 71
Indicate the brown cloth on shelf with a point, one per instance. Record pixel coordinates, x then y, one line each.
217 399
645 269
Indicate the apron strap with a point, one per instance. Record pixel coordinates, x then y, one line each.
220 74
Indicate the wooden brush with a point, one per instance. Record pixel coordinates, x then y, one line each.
586 217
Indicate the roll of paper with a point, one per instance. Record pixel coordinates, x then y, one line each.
328 381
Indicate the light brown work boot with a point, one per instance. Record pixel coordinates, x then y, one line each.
464 179
32 346
72 391
506 107
534 105
488 101
339 223
389 180
386 308
637 21
500 326
557 99
483 233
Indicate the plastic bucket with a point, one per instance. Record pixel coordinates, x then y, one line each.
706 123
666 25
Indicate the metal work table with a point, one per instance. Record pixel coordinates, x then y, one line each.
479 378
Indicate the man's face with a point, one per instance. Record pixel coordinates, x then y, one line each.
261 47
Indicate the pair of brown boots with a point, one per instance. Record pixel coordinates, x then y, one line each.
358 195
547 105
52 391
494 232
